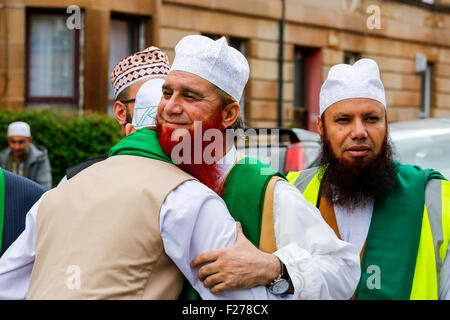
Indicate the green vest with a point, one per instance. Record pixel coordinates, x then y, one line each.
408 236
243 192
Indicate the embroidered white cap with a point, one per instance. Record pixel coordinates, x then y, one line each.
149 63
214 61
146 104
19 129
344 81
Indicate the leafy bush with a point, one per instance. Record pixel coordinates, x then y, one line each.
69 138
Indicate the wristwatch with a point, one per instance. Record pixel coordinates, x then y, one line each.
282 283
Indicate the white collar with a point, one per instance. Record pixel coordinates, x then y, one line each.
227 162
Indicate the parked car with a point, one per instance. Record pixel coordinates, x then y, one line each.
284 149
424 142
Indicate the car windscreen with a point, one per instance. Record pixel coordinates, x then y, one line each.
426 148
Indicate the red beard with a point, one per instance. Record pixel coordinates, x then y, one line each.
193 160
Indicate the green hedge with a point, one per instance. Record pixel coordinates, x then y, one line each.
69 138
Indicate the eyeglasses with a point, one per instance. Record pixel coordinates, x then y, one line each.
128 101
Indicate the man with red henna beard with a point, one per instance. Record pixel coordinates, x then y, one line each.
207 173
298 253
130 233
398 216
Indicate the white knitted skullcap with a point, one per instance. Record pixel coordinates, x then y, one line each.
146 104
344 81
214 61
19 128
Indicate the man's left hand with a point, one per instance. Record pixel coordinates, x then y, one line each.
240 266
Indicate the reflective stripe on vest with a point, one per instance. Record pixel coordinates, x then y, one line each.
425 283
434 237
445 198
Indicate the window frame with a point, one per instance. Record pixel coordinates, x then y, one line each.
307 86
138 21
76 60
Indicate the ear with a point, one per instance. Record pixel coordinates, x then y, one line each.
129 129
120 113
319 125
230 114
30 139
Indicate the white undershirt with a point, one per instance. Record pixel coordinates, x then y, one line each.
354 224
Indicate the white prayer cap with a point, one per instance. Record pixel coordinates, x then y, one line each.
146 104
19 129
213 60
360 80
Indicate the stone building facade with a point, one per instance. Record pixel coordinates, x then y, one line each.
53 55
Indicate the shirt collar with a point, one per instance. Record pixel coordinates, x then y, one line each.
227 162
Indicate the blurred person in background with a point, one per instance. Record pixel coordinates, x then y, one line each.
24 158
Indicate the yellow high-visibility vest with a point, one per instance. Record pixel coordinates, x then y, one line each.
434 237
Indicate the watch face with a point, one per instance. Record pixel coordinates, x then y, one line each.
280 286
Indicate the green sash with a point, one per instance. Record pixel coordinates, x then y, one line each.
243 192
244 188
2 205
143 143
394 234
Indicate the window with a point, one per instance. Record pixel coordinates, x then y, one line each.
307 83
425 95
125 39
300 88
239 44
213 36
351 57
52 54
424 68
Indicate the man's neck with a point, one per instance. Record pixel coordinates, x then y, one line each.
19 159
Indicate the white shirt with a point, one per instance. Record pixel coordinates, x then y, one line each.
354 224
194 219
320 265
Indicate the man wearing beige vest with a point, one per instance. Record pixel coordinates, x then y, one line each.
115 229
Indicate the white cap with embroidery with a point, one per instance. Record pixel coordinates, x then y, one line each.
344 81
214 61
146 104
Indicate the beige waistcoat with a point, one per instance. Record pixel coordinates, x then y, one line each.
98 236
